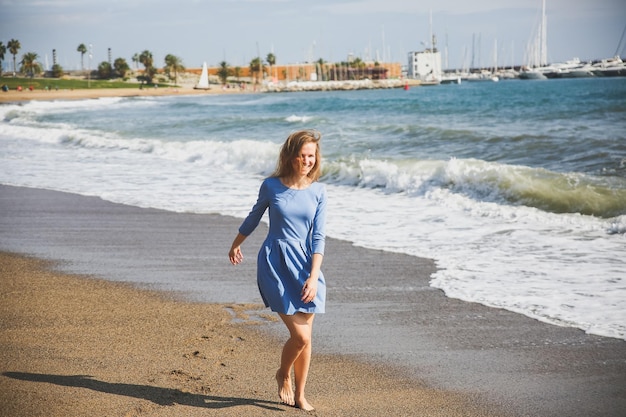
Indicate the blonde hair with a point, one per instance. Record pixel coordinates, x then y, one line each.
291 150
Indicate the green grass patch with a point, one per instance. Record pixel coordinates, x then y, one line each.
69 84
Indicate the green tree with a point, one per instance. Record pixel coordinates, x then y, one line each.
145 58
319 68
173 65
29 64
57 71
135 60
3 50
83 50
359 65
223 72
105 71
271 61
121 67
344 74
237 73
14 47
256 67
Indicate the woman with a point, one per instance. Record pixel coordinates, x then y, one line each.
289 261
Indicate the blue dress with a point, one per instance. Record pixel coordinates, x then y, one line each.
296 231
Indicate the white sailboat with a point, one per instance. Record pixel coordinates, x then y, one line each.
537 53
494 74
203 84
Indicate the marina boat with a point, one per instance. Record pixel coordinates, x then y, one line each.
483 75
451 79
612 67
585 70
568 69
537 52
532 74
508 74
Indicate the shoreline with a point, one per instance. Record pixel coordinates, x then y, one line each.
14 96
503 362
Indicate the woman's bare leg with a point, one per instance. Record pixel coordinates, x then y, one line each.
296 354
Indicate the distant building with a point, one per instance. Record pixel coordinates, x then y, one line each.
425 66
315 72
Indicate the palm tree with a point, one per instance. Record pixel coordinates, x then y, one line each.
147 61
237 73
223 72
358 65
173 64
135 60
14 47
271 60
321 64
256 66
83 50
3 50
29 64
345 74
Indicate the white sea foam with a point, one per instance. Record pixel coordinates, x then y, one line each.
302 119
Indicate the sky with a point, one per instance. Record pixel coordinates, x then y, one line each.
482 32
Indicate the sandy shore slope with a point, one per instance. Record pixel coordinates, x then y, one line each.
17 96
75 346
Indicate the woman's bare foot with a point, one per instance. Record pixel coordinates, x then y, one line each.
303 404
284 389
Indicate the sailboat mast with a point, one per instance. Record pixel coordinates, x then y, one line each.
431 31
544 41
617 50
384 57
495 56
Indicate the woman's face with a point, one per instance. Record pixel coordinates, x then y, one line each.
305 161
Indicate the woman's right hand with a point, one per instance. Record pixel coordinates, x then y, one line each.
235 255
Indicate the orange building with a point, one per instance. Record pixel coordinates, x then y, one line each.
313 72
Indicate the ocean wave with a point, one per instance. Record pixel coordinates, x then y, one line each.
537 187
479 180
243 154
303 119
63 106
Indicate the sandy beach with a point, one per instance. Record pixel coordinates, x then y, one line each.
77 345
26 95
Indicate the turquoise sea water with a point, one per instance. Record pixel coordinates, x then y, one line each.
517 189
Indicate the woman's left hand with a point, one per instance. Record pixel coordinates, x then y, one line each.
309 290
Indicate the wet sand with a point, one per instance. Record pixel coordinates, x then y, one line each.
78 345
